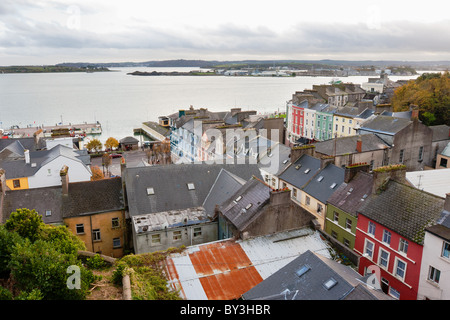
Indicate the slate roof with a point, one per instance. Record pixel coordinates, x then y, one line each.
440 132
223 188
409 210
27 143
289 283
18 168
323 189
299 177
350 196
39 199
385 124
93 197
253 196
129 140
277 161
83 198
347 145
170 185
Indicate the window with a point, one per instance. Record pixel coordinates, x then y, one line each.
320 178
49 172
371 229
156 238
446 250
420 153
304 269
330 283
386 237
394 293
319 208
96 236
343 128
294 192
150 191
79 228
336 129
307 200
443 163
16 183
434 274
336 216
334 234
400 269
403 246
383 259
347 243
48 213
115 223
400 159
197 232
116 243
348 224
177 235
368 248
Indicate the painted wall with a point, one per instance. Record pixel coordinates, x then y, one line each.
23 183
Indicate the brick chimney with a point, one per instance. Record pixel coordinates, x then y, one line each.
297 152
414 112
280 197
382 175
325 160
353 169
64 173
359 144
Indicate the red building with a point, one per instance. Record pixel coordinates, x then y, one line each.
297 120
390 233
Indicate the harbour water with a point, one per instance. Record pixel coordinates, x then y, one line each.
121 102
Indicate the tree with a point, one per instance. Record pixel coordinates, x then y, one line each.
431 92
106 162
94 145
97 173
111 143
27 223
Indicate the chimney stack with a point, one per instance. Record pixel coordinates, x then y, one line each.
27 156
414 112
297 152
2 182
325 160
382 175
359 144
280 197
64 173
352 169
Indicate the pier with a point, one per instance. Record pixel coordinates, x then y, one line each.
73 129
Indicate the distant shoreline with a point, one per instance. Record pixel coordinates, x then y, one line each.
49 69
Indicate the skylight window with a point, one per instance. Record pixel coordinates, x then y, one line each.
238 198
150 191
333 186
304 269
320 178
298 166
330 283
285 161
248 206
191 186
350 190
307 170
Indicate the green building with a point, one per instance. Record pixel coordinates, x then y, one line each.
342 206
324 122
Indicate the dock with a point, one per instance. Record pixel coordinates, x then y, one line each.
75 130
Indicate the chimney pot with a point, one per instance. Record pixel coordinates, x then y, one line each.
447 202
64 180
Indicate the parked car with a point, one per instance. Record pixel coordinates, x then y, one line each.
115 155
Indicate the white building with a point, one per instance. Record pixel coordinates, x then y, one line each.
434 283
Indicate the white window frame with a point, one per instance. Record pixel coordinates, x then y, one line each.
380 258
365 248
371 225
396 267
402 244
387 235
432 272
444 244
79 225
395 294
117 243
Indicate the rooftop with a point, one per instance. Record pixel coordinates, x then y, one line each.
347 145
301 171
385 124
224 270
410 210
432 181
325 182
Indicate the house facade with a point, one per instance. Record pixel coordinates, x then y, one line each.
390 232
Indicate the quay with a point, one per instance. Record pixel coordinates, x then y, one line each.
75 130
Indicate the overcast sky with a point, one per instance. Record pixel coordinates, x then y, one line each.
55 31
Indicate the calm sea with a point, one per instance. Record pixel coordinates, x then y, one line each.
121 102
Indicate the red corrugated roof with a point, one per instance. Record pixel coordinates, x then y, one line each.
224 270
